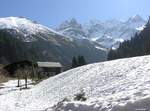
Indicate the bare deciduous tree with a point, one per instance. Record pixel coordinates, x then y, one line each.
23 73
18 74
27 71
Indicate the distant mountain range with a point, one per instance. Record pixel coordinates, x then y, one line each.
36 42
21 38
109 33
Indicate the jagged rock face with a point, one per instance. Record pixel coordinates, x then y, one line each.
108 33
49 45
72 29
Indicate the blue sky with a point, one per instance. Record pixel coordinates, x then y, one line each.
53 12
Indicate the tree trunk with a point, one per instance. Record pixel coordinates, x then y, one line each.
33 71
26 82
18 82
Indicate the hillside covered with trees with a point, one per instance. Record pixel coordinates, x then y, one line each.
13 49
138 45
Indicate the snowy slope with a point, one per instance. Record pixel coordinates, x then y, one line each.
23 24
26 27
109 86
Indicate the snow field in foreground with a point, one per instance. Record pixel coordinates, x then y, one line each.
120 85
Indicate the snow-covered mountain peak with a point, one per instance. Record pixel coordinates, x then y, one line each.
135 19
11 22
101 31
26 27
22 23
72 29
72 23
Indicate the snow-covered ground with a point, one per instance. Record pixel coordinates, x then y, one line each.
120 85
11 85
